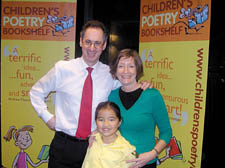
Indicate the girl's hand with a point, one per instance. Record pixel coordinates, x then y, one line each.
142 159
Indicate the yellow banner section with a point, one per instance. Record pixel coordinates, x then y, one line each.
22 65
178 71
27 53
174 46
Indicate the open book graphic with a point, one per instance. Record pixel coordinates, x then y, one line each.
175 151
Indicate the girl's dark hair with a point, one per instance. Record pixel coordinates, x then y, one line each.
108 104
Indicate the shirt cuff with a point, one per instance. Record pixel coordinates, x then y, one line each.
46 116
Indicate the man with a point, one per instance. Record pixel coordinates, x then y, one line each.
67 79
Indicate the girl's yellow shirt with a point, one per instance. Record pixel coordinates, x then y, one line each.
114 155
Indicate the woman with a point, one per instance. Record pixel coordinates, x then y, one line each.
141 110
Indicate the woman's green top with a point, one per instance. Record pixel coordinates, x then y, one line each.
140 120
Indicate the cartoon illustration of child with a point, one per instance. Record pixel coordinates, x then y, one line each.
23 140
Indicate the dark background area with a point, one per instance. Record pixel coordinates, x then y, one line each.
122 18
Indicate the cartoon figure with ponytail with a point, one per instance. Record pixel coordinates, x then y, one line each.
23 140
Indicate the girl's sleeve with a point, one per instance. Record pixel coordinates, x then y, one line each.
86 163
91 158
161 118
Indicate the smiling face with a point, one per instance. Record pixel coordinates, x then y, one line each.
107 124
126 72
92 44
24 140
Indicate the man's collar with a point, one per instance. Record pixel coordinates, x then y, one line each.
84 65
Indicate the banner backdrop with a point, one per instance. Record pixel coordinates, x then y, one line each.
34 36
174 43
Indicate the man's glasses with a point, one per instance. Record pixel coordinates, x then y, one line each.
89 43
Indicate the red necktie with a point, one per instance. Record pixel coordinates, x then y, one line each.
84 125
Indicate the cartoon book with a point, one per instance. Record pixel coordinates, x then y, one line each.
175 151
44 153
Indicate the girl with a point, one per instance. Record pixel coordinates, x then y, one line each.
109 149
23 140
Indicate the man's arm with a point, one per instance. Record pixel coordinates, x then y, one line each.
38 94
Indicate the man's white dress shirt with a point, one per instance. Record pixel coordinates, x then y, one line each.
67 78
